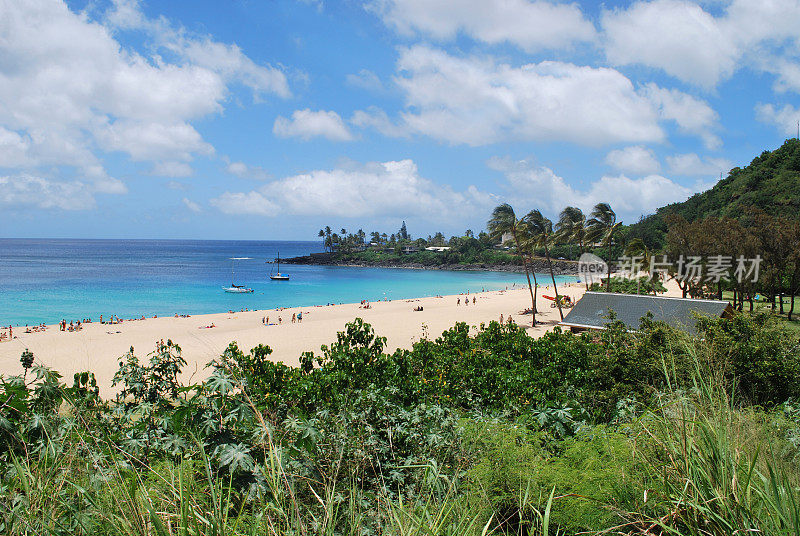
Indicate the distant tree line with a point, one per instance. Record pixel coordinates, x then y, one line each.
400 241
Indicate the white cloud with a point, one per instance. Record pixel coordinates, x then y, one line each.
175 185
229 61
475 101
692 115
673 35
691 44
70 91
365 79
635 159
171 168
154 141
539 187
226 60
240 203
108 185
373 189
692 165
375 118
242 170
784 118
531 25
25 190
13 149
307 124
191 205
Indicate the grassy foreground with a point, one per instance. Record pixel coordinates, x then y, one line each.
486 433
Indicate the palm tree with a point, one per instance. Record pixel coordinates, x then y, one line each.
322 236
328 239
541 230
504 221
601 228
571 226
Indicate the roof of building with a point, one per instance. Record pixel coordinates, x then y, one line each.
591 311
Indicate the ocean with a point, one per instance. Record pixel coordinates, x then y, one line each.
46 280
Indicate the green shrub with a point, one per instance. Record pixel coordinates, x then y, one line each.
595 475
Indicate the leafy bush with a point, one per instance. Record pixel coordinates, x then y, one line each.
477 428
628 285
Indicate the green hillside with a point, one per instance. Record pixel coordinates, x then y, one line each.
771 183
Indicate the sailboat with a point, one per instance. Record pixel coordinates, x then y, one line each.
237 289
278 276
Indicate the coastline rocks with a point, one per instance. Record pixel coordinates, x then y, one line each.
560 267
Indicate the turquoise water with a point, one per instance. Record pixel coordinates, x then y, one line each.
49 280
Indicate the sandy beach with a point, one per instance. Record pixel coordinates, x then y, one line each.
98 347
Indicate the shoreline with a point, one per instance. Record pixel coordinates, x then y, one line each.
98 347
127 317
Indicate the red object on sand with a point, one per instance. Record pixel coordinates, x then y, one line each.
548 297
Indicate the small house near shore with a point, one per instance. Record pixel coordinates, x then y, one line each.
592 311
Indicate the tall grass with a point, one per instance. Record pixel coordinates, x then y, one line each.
719 465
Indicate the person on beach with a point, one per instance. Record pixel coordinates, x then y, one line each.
300 316
474 301
280 320
458 301
501 318
294 318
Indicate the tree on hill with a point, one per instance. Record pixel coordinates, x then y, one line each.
403 234
771 183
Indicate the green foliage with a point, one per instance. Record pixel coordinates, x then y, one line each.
586 472
757 353
483 430
468 251
718 466
627 285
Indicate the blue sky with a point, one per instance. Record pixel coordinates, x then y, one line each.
247 119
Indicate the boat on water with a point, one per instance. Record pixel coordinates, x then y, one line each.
234 288
277 275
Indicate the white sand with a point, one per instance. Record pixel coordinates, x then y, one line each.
98 347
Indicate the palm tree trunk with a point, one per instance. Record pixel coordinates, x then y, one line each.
608 280
535 291
582 248
532 291
528 277
553 277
